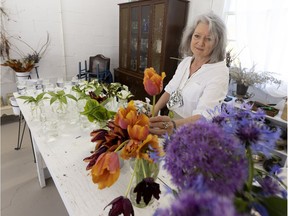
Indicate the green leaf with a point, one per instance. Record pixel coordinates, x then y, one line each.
40 96
53 99
71 97
53 94
240 204
275 206
24 97
61 92
63 100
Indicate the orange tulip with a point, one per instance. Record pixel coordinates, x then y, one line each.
153 82
129 150
143 150
138 132
106 171
126 116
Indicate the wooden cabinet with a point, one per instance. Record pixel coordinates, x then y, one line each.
150 34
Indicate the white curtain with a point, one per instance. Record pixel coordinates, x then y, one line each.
262 35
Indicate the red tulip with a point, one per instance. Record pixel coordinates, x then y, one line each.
153 82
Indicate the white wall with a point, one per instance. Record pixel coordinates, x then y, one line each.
78 29
197 7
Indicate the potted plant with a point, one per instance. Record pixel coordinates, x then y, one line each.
26 62
245 77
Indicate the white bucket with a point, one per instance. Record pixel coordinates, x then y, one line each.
22 75
15 107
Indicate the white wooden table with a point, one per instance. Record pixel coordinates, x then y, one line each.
64 156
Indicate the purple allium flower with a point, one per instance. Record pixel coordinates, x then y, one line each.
203 148
199 204
249 127
270 187
121 205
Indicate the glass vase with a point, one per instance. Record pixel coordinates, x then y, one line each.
142 169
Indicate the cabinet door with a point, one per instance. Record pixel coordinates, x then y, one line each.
124 37
157 36
134 38
144 37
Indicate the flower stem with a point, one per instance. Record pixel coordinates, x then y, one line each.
143 168
251 169
121 145
153 105
130 182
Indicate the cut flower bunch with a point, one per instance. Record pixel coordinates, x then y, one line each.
211 165
128 134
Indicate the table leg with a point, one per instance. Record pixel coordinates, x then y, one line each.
39 165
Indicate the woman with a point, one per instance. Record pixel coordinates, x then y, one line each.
201 79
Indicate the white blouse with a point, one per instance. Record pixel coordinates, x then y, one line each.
205 89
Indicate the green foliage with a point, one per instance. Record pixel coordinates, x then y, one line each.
96 111
36 100
84 88
275 206
112 89
60 96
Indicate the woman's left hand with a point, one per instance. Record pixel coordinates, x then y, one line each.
160 125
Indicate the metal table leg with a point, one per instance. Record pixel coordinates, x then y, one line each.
21 134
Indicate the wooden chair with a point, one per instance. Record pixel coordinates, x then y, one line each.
99 67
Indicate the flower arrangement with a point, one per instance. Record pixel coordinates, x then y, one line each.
250 77
19 65
27 61
128 134
210 161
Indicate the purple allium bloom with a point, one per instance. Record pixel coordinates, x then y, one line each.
121 205
270 187
203 148
249 127
199 204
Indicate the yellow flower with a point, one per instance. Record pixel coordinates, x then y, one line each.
106 171
153 82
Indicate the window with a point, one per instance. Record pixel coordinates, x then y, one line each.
257 29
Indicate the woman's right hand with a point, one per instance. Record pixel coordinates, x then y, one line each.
160 125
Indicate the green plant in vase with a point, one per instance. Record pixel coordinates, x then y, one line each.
60 97
35 103
96 112
84 89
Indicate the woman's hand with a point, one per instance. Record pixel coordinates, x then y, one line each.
160 125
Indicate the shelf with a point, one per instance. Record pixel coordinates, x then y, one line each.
6 110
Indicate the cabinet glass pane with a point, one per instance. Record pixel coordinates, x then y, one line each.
124 30
157 36
134 38
144 37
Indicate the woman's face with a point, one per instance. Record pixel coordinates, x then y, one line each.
202 43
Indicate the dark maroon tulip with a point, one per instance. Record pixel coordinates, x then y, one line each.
121 205
146 188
